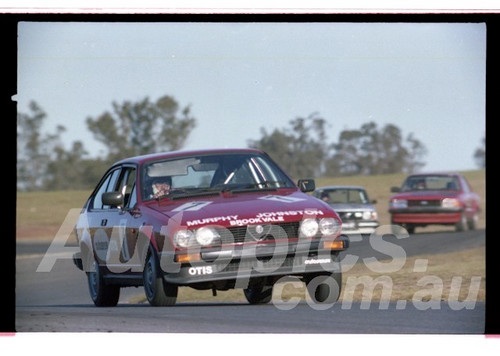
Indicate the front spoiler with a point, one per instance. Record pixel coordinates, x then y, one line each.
259 261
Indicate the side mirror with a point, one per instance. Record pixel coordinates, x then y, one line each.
112 199
395 189
374 201
306 185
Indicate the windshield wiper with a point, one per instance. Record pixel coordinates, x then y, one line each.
253 187
179 193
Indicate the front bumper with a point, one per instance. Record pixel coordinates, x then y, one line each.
362 227
242 263
425 216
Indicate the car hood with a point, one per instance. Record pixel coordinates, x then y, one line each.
351 207
243 208
425 194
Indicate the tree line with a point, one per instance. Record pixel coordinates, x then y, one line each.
134 128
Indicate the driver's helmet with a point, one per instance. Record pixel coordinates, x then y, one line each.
160 186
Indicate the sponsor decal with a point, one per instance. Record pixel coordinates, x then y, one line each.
318 261
290 213
101 243
213 220
281 198
194 271
257 220
261 218
192 206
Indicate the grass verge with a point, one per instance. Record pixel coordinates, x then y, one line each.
40 214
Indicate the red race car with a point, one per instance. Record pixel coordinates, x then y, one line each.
213 219
434 198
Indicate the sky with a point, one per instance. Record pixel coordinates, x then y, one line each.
426 78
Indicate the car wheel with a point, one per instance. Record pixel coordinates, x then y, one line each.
461 225
472 223
258 293
102 294
324 288
396 229
410 228
158 292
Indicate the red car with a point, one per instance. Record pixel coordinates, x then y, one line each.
213 219
434 198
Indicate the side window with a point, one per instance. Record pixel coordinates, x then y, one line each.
107 185
127 184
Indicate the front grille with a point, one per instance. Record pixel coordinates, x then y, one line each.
259 232
424 203
350 215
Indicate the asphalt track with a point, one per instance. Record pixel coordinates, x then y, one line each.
58 301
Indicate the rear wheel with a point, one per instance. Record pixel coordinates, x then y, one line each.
258 293
102 294
157 290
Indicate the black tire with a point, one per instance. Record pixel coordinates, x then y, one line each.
461 225
102 294
324 288
258 293
397 229
472 223
394 227
158 292
410 228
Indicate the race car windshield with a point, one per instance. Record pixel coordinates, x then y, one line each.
344 196
432 182
212 173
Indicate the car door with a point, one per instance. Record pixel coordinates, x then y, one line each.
99 215
129 216
122 224
112 228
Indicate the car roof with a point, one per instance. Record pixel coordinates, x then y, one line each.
187 153
341 187
435 174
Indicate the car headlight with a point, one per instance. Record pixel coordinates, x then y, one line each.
398 203
370 215
309 227
206 235
184 238
450 203
329 226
